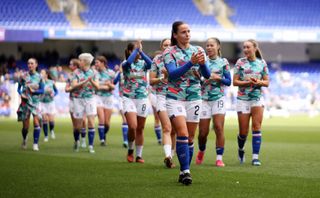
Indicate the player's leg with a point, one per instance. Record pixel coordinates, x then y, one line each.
218 122
193 109
130 112
78 114
219 112
24 131
157 128
36 132
91 112
243 109
204 128
108 107
101 119
142 113
51 113
124 128
257 117
45 125
177 114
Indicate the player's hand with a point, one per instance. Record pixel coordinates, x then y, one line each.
201 58
140 45
215 77
31 89
196 74
165 74
194 59
24 96
254 81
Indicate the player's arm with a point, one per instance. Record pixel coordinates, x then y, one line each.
242 83
131 58
40 90
68 88
117 78
264 82
226 80
19 88
175 72
153 78
55 90
76 85
94 82
146 59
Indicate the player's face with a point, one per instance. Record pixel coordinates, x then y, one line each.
72 66
248 49
183 35
82 63
166 44
137 57
44 74
32 65
98 64
212 47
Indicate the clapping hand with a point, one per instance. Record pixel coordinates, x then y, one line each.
165 75
201 58
215 77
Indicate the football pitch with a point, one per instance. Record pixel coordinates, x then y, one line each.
290 156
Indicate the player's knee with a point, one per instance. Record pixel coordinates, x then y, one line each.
218 128
167 128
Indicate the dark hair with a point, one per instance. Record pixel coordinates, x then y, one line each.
256 45
102 59
128 50
218 42
174 30
75 62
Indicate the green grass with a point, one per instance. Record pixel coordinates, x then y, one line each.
290 165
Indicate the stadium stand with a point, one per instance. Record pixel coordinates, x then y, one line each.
34 14
275 14
143 13
31 14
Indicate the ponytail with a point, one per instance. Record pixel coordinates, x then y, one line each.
175 27
128 50
258 51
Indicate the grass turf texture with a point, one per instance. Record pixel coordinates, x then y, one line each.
289 155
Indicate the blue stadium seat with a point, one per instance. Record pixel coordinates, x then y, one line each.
30 14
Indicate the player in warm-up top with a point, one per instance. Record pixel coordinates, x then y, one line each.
104 97
47 104
250 75
185 63
120 80
135 97
84 84
159 81
213 101
73 66
30 87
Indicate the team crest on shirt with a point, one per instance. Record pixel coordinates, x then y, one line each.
179 109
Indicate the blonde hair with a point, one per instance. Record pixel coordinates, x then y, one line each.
256 45
87 57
